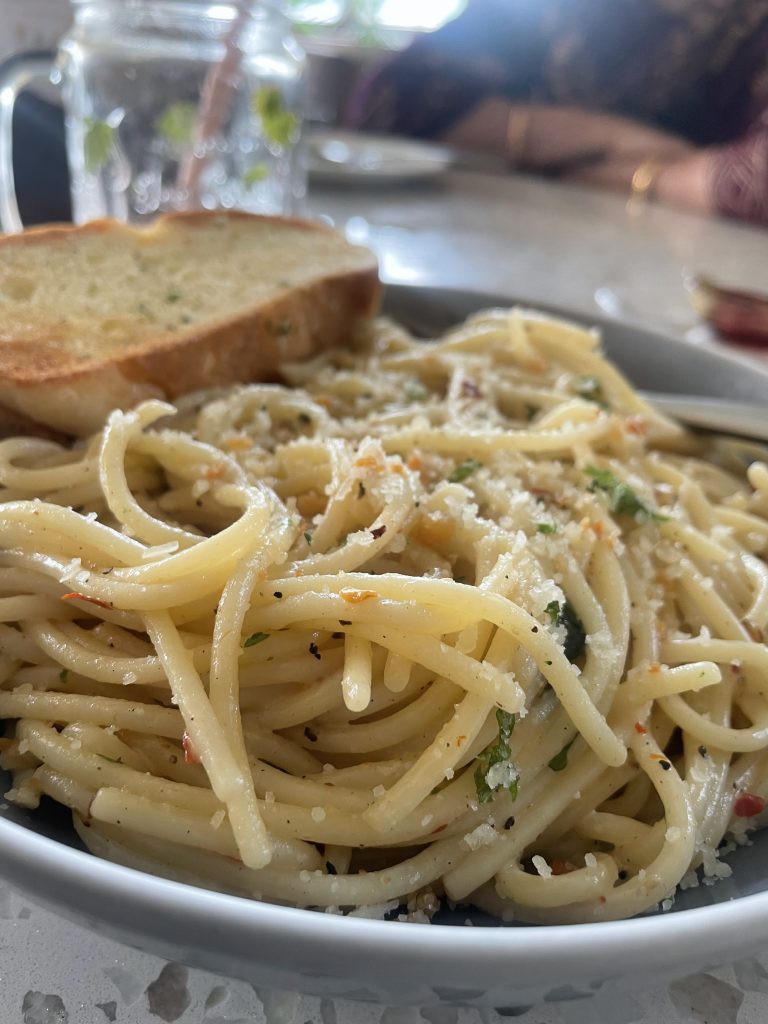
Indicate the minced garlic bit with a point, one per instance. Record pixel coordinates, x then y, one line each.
544 870
352 596
483 835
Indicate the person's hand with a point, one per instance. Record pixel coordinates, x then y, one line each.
564 140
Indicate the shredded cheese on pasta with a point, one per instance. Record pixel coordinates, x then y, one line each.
463 618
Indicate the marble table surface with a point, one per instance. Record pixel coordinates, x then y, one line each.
527 239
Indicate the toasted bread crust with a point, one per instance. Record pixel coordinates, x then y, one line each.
293 323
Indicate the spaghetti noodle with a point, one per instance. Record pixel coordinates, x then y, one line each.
463 618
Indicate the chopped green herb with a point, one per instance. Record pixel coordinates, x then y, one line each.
64 674
463 470
575 634
278 124
360 489
99 137
546 527
304 418
177 123
622 499
591 390
308 537
255 174
493 755
530 412
255 638
172 296
553 611
415 391
560 760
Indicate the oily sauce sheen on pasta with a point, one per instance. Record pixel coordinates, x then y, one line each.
461 620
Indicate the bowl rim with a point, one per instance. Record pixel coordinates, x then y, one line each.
68 866
69 878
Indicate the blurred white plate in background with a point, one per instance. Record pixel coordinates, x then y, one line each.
342 156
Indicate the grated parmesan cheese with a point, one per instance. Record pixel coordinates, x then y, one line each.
483 835
543 869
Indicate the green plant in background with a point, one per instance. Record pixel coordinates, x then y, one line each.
369 22
99 137
177 123
278 123
359 18
255 174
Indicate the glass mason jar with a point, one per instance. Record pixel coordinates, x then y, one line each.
172 105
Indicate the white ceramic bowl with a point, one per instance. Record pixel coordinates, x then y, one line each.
505 967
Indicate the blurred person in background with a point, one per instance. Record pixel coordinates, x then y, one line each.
662 98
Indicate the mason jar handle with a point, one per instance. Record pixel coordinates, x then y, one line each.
15 75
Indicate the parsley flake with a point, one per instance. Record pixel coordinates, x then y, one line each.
463 470
575 634
621 497
553 611
415 392
498 754
255 638
591 390
546 528
560 760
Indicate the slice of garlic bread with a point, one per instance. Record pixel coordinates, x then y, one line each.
101 316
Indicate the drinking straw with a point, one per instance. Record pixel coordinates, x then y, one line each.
215 101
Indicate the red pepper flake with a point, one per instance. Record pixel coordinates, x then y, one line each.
369 462
561 867
748 805
636 425
352 596
639 727
74 596
190 754
654 667
469 389
378 532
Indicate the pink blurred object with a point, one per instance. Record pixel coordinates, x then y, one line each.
736 315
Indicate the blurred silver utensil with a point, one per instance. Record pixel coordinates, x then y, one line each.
722 415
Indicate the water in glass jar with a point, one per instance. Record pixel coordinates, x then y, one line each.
137 143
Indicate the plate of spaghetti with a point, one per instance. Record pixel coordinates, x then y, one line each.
458 631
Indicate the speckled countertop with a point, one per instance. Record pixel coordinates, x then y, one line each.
530 240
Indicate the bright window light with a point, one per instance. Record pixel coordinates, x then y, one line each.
422 15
